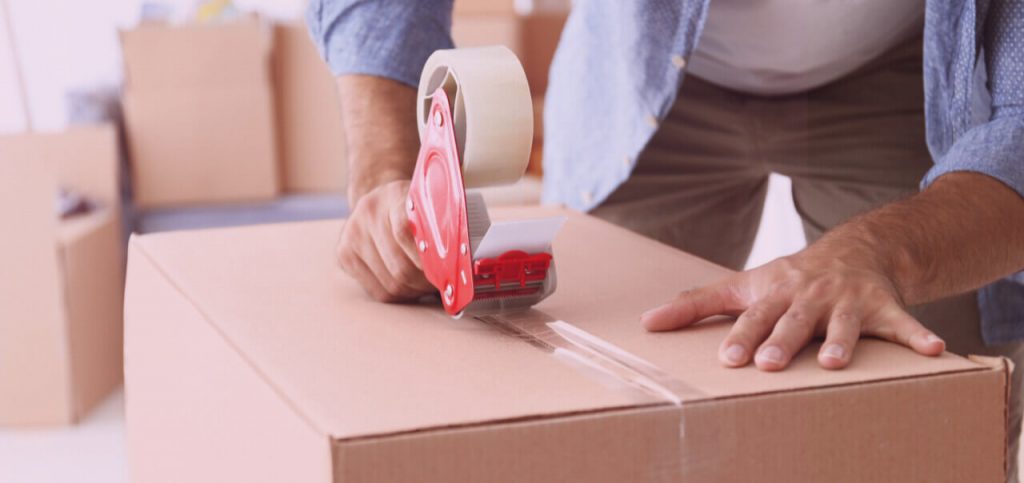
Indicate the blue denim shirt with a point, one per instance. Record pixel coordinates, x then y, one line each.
620 64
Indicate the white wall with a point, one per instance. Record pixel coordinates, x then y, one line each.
66 44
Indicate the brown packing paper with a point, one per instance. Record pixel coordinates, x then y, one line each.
309 124
250 357
60 297
199 113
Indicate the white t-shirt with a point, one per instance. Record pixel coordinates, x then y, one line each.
774 47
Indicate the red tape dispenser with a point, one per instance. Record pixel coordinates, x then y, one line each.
476 129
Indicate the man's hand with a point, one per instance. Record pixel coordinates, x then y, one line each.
377 249
961 233
785 303
376 245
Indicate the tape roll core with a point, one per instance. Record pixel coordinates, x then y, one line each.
492 111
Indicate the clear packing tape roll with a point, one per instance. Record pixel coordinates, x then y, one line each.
691 451
492 111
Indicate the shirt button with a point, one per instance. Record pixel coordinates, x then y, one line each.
627 161
678 61
586 196
652 121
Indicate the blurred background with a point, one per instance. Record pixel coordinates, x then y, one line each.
121 116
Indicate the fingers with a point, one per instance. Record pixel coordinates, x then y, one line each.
398 221
377 248
693 306
751 327
791 333
397 289
841 337
355 267
896 325
401 265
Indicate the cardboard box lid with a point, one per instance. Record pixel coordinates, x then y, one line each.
85 158
356 368
207 57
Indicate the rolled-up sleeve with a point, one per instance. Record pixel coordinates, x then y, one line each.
996 147
387 38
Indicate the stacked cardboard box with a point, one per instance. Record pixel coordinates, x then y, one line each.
199 113
62 282
231 123
309 121
250 357
532 35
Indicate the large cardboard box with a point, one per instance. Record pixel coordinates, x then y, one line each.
62 283
310 130
251 357
533 37
199 113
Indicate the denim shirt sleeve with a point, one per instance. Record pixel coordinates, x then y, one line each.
996 147
387 38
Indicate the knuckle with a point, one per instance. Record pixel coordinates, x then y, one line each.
345 256
754 314
392 286
822 287
400 231
844 317
406 272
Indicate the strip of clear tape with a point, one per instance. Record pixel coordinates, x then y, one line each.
690 457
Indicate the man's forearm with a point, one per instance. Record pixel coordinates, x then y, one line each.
964 231
380 131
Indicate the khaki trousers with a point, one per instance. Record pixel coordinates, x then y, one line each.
849 146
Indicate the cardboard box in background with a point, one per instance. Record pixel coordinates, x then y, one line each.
310 131
199 113
534 38
250 357
62 286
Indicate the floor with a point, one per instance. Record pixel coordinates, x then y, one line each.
94 450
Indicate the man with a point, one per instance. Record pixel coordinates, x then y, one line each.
827 92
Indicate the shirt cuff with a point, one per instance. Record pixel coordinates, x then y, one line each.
995 148
389 38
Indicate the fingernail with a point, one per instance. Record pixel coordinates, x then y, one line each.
834 351
646 315
734 354
927 339
770 354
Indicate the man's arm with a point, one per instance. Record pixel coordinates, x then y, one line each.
377 49
965 229
375 246
962 232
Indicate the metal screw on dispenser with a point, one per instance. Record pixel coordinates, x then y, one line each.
438 120
462 248
448 292
423 246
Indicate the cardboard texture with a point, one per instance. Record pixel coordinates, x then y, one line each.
251 357
199 113
310 130
61 293
534 38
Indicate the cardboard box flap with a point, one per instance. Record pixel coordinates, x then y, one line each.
85 158
355 367
205 57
